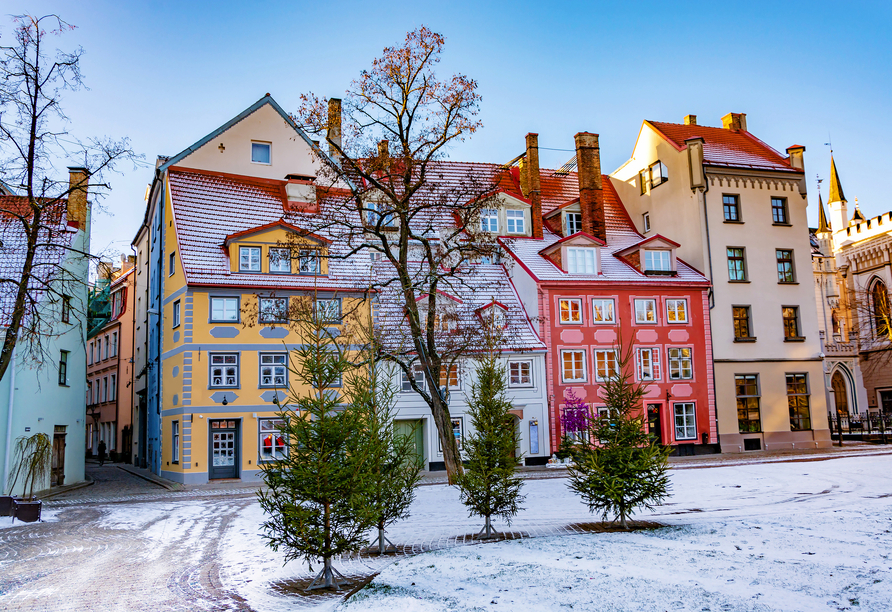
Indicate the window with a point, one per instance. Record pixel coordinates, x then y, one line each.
224 370
224 309
249 259
742 328
677 311
797 399
114 346
457 431
645 311
520 373
375 211
605 365
685 423
791 323
90 354
280 260
642 181
515 221
657 261
418 375
784 266
581 260
261 152
171 263
571 311
449 377
176 314
648 362
308 261
736 264
572 223
273 310
112 387
731 206
602 311
645 219
175 443
63 368
489 220
107 344
66 309
273 369
329 310
105 389
573 366
779 211
879 310
272 442
747 387
681 364
658 174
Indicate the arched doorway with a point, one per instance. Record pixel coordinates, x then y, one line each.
838 384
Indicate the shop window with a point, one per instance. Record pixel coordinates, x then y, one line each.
272 440
797 399
685 421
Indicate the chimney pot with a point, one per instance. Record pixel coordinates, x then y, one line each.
591 194
334 126
734 121
78 178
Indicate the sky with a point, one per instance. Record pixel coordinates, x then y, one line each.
165 74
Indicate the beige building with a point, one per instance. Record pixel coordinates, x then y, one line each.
738 208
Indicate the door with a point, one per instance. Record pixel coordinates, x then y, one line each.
839 394
654 424
142 444
415 429
224 447
57 473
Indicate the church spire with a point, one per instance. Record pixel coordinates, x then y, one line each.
823 226
836 194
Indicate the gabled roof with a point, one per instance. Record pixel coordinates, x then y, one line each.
724 147
655 237
280 223
576 238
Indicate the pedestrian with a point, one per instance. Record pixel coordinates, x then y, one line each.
101 452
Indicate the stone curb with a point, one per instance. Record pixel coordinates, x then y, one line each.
150 478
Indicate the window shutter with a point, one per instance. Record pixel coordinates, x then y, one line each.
655 359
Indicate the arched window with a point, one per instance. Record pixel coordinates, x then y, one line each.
879 306
839 393
834 321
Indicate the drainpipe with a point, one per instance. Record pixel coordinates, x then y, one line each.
9 420
133 404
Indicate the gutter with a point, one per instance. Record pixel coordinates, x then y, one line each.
9 421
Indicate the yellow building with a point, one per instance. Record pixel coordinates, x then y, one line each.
231 251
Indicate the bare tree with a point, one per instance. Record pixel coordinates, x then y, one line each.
870 318
36 223
394 196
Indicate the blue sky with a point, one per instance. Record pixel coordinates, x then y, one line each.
167 73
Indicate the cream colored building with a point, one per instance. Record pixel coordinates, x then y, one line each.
738 208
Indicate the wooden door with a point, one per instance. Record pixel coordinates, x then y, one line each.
57 474
414 429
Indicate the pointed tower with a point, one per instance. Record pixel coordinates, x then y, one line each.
839 213
824 234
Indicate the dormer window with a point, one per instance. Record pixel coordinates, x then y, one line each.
489 220
375 211
581 260
308 260
280 260
494 316
261 153
572 223
515 221
249 259
657 261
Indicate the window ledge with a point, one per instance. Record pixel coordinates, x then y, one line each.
794 339
787 283
782 224
747 339
216 322
739 281
660 273
731 221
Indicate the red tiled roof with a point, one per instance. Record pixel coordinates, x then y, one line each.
723 147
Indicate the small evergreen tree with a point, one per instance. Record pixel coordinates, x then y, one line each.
489 486
620 468
317 493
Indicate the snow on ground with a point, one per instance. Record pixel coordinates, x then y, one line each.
46 516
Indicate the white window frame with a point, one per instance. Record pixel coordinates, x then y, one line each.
329 309
175 318
672 310
646 221
575 226
214 357
688 424
582 260
681 361
175 442
249 263
269 150
602 302
647 363
277 363
578 302
279 263
608 356
516 218
458 426
225 301
650 258
584 368
653 309
270 427
520 364
453 368
489 220
406 385
262 311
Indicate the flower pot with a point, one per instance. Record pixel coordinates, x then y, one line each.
6 505
27 512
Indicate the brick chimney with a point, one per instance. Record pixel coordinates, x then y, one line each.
334 126
690 119
734 121
77 196
529 183
591 195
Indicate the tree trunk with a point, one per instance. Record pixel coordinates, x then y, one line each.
381 547
442 420
488 528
